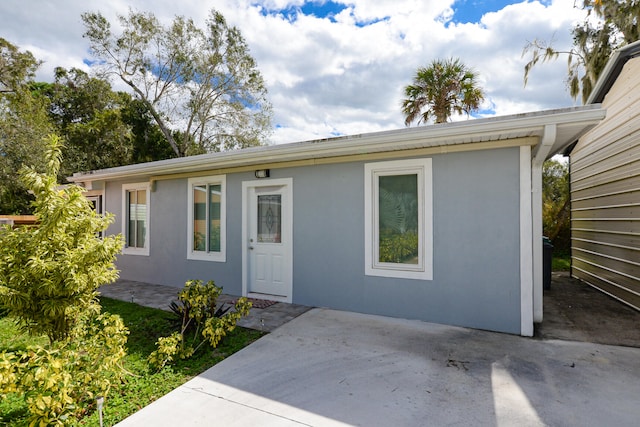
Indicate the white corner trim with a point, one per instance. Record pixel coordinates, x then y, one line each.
542 150
526 249
536 209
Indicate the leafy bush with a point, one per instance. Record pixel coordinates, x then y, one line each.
141 385
200 322
556 205
61 381
49 273
398 248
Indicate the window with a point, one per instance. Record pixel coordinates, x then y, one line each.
206 213
398 224
96 204
136 218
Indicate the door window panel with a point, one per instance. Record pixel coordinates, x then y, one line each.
269 218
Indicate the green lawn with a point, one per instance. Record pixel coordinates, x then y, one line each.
561 262
142 387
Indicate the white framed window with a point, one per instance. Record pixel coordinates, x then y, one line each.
206 214
398 219
96 200
135 226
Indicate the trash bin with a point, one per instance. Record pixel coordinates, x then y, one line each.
547 253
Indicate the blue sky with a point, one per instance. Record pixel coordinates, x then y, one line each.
339 67
464 11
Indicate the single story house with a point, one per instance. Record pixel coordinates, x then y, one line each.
605 185
440 223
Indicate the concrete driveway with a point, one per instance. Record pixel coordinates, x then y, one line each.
329 367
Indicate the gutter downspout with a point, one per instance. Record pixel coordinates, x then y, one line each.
542 151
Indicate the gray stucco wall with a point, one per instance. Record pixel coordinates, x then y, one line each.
476 217
167 263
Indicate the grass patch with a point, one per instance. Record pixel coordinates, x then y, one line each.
143 386
561 263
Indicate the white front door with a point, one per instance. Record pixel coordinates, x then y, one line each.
267 235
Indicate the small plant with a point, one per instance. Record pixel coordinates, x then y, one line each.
141 384
59 382
196 302
201 322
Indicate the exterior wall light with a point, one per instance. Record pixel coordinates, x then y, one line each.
262 173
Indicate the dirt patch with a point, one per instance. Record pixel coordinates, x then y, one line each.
575 311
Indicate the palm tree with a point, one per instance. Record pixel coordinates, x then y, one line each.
439 90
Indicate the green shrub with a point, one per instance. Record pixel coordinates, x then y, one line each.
49 273
398 248
200 323
61 381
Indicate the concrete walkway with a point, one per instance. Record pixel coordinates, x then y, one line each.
157 296
327 368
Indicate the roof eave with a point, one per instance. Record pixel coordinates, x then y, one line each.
612 70
403 139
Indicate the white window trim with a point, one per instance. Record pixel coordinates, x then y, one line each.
424 269
199 255
125 218
98 199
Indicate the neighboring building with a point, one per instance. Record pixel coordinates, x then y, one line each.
17 220
440 223
605 185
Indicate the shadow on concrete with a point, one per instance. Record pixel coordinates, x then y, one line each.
575 311
336 368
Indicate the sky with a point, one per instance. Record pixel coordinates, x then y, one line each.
339 67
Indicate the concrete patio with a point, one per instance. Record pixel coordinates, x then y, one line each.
321 367
331 368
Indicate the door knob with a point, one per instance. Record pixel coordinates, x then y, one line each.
251 247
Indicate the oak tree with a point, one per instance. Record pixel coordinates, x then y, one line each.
607 26
24 124
202 86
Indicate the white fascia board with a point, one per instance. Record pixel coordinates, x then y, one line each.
495 128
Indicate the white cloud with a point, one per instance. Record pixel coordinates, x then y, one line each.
337 76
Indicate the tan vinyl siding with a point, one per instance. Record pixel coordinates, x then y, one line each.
605 195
